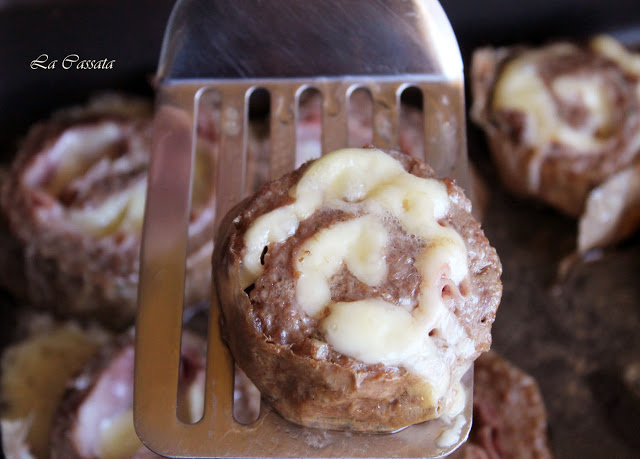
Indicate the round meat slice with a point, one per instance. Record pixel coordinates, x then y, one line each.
33 376
95 417
356 291
74 200
509 416
560 118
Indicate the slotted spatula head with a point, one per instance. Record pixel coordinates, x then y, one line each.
217 53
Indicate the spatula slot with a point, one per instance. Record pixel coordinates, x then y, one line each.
411 127
360 117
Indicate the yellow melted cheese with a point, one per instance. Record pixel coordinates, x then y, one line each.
614 50
358 244
78 148
117 435
120 211
118 438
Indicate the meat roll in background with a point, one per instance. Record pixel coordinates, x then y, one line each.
561 121
74 199
95 417
509 416
67 392
35 372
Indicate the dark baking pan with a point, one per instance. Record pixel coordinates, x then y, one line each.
129 33
577 335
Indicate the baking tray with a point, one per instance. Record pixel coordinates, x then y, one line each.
576 334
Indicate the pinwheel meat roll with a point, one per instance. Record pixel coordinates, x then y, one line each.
34 374
95 417
74 200
509 416
356 291
560 118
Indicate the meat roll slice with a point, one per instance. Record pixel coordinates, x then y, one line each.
34 374
356 291
95 417
74 201
560 118
509 416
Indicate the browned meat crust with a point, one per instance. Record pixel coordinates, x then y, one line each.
65 267
551 170
509 417
280 347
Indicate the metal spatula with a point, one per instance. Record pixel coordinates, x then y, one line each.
218 52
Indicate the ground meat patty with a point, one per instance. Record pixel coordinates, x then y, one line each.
559 119
509 417
95 416
73 202
284 348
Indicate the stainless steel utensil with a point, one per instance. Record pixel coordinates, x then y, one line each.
218 52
